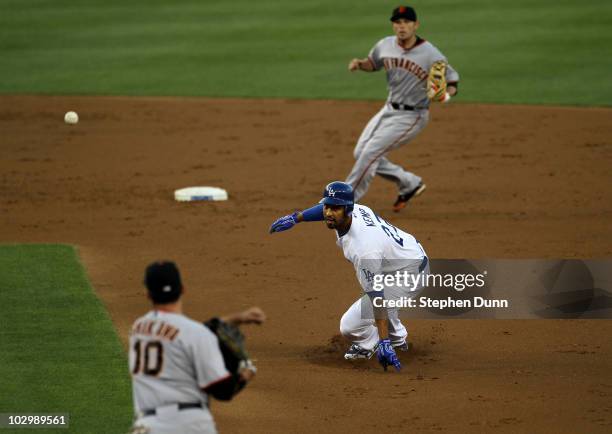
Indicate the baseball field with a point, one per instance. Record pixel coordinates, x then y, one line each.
255 97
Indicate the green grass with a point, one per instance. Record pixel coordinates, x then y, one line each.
59 352
511 51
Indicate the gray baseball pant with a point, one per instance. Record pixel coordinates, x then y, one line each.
170 420
387 130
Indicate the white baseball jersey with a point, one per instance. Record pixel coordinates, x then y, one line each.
374 246
407 70
172 358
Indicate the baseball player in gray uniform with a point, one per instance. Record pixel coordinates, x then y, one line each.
407 60
176 362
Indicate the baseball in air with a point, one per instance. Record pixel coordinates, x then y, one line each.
71 118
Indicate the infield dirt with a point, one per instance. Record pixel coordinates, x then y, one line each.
503 182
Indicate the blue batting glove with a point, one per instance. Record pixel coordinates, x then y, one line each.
284 223
386 355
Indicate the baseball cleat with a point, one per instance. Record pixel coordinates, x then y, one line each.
402 199
356 352
403 346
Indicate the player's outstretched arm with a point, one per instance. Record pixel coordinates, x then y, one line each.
361 65
312 214
252 315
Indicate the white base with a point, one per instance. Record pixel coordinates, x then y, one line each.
190 194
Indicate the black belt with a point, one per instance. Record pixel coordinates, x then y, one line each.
181 406
397 106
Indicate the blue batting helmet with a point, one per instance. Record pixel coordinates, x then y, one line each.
339 193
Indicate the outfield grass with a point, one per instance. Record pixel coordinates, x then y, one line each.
59 352
512 51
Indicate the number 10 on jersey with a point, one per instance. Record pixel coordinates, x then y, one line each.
149 357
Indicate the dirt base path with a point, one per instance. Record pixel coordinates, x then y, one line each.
504 181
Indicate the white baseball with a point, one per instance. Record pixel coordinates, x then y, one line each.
71 118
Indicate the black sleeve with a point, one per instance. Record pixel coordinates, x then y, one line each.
226 389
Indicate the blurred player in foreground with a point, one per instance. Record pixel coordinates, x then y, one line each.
176 363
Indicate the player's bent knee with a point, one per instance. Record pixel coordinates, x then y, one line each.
346 328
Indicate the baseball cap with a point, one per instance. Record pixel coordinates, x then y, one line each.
163 280
406 12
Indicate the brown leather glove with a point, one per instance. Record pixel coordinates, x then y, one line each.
436 82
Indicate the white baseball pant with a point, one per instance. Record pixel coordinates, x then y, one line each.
358 325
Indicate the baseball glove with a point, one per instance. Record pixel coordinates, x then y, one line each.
231 344
436 81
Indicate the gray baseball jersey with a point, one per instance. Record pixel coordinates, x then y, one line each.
407 70
172 358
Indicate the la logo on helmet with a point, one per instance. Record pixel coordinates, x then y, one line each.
331 192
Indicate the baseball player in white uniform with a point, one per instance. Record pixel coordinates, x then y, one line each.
375 248
176 363
407 59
